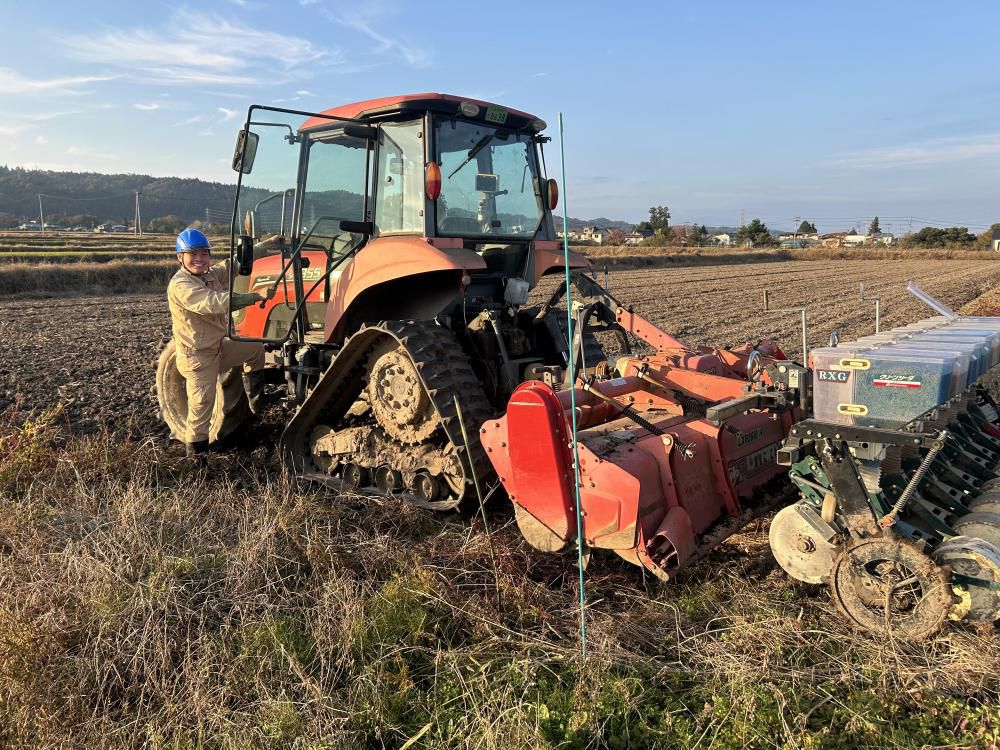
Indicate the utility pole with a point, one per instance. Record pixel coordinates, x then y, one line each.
138 216
41 215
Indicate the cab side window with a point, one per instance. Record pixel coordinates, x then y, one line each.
399 197
334 186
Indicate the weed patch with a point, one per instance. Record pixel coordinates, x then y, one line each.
148 603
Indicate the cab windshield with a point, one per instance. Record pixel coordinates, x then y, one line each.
490 184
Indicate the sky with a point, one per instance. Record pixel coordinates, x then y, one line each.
832 112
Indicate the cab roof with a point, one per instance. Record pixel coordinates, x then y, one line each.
386 107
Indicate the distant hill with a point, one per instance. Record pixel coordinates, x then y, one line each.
111 197
578 224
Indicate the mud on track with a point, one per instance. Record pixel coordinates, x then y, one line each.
97 355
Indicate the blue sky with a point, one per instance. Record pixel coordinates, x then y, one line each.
782 109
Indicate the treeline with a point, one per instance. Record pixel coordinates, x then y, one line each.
109 197
951 236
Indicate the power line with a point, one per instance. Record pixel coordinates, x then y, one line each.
74 198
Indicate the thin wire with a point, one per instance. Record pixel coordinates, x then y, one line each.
482 501
572 400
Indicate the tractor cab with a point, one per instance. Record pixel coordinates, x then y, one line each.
387 209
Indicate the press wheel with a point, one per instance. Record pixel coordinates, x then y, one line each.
889 587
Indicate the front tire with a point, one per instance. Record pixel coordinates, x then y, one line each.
231 412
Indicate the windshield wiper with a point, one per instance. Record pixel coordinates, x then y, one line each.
480 145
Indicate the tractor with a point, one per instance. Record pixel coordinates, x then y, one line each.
420 350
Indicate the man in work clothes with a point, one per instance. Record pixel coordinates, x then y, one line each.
198 296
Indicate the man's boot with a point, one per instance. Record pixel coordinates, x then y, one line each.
198 450
253 384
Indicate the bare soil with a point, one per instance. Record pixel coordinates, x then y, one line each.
97 355
94 355
723 305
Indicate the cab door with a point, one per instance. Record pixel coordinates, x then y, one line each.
302 207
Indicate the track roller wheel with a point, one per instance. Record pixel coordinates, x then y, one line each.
388 480
974 558
355 477
888 586
985 526
426 488
397 396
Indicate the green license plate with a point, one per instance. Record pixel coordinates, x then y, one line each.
496 114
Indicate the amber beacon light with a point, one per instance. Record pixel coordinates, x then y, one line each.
432 180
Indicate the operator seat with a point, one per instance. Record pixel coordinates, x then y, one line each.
460 225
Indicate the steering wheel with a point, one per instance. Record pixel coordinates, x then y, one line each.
340 243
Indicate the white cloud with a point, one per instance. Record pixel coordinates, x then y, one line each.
228 114
198 48
933 151
12 82
303 92
414 55
189 121
21 121
146 107
41 140
87 151
45 116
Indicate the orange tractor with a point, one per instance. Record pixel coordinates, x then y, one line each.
406 239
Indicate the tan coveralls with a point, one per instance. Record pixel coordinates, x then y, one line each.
199 311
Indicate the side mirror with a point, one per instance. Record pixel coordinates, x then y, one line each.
358 227
245 152
244 255
362 132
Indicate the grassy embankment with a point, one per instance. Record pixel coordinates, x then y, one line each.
147 604
638 256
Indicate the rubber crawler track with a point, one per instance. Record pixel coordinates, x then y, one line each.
445 372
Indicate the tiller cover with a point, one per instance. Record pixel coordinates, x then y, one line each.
659 497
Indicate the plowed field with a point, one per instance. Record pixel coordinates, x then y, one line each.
723 305
97 355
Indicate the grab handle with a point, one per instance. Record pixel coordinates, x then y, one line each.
939 307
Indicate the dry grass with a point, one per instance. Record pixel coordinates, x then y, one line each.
81 256
147 604
113 277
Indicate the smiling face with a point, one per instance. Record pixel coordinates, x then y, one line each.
196 262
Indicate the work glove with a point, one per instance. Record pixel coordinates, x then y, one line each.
245 300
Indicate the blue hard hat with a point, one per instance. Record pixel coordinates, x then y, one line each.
192 239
